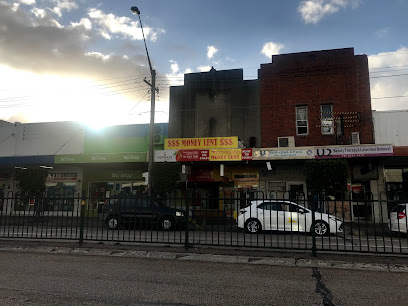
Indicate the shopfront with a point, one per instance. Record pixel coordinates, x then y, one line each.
107 174
101 184
61 189
282 171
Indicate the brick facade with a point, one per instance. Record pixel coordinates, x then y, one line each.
333 77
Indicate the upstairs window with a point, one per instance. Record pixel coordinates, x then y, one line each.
301 120
327 120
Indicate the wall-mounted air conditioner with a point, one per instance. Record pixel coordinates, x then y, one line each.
286 142
355 138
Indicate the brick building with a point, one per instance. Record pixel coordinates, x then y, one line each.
307 97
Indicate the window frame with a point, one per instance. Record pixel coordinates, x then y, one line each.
323 117
298 107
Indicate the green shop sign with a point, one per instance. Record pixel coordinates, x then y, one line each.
101 158
115 175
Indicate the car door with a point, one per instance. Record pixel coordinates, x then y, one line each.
271 213
267 215
295 218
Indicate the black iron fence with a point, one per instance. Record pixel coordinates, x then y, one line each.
239 219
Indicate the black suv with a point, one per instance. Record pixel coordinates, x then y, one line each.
141 211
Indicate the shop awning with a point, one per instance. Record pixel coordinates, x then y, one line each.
27 160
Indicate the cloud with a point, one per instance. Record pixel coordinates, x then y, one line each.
211 51
204 68
84 22
387 80
124 26
174 67
271 48
176 78
39 13
27 2
63 5
34 47
312 11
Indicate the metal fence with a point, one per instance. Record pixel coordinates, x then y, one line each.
237 219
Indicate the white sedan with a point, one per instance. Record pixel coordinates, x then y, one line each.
398 219
285 216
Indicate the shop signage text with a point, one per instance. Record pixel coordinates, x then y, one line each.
165 156
225 155
61 177
100 158
201 143
354 151
203 155
268 154
192 155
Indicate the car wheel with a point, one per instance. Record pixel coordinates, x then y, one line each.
253 226
113 222
321 228
166 223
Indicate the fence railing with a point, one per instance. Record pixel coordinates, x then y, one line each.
241 219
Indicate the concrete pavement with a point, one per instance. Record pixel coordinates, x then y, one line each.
390 263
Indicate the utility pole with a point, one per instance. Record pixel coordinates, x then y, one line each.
153 90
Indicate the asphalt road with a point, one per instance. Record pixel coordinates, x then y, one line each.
54 279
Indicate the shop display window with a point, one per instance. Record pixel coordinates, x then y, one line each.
60 197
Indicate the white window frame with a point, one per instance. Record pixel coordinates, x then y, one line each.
300 122
326 119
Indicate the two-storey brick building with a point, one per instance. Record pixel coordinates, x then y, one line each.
315 98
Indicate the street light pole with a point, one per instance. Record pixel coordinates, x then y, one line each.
136 11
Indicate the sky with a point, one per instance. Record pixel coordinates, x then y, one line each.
85 60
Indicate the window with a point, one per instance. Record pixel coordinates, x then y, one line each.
301 120
270 206
326 112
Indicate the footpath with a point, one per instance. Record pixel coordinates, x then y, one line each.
367 262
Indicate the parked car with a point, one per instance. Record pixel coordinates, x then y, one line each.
140 211
285 216
398 218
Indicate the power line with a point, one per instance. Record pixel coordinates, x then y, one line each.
138 102
140 85
388 76
389 97
7 138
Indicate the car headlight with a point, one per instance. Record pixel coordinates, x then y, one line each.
179 214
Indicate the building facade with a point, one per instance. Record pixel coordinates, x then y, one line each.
392 127
315 98
80 161
216 104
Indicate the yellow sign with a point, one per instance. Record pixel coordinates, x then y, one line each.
201 143
225 155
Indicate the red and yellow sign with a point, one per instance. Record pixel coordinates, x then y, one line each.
214 155
225 155
201 143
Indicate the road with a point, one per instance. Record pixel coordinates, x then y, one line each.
56 279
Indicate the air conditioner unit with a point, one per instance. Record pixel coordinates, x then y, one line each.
355 138
286 142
